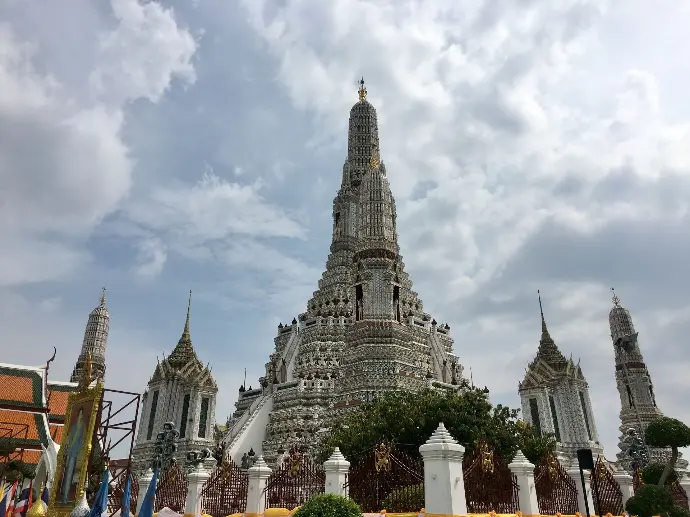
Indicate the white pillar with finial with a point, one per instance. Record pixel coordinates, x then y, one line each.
337 469
144 482
582 493
625 482
527 491
444 485
197 478
258 476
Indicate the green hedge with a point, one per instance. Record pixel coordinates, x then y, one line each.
329 505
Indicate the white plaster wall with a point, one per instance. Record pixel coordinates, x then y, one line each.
254 434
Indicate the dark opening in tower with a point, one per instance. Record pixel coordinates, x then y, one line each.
337 220
359 302
630 397
396 302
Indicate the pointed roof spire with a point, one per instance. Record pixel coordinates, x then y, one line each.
548 351
544 330
616 301
185 332
184 351
101 302
362 90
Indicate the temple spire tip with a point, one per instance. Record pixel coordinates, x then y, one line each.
616 300
101 301
362 90
541 311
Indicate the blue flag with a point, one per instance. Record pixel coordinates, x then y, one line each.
126 496
100 505
45 497
146 509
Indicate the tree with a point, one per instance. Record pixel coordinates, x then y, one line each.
408 419
534 445
650 500
667 432
329 505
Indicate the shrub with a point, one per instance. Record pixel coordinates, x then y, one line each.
329 505
678 511
650 500
404 499
651 474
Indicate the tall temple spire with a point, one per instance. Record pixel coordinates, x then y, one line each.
95 341
634 383
184 351
544 330
363 137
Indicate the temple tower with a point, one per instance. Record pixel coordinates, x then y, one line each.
364 330
634 383
95 341
183 391
555 398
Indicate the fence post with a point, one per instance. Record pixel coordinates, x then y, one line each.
684 482
144 482
258 475
196 480
336 468
527 491
625 481
444 485
574 473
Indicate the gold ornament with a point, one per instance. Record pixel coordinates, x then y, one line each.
374 161
383 457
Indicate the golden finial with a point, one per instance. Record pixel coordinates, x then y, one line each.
37 509
616 301
362 90
102 300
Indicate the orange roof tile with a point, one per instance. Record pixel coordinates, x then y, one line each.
56 432
26 427
16 389
31 457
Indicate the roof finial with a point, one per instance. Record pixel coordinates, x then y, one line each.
541 311
616 301
186 323
102 300
362 90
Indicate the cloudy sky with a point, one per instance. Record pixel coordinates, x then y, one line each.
157 147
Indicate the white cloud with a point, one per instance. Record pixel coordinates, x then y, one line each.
63 163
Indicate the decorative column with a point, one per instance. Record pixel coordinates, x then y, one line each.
625 481
336 468
258 475
582 495
196 480
527 492
444 485
144 482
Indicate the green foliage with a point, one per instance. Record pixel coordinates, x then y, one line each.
678 511
403 499
533 445
651 474
16 470
7 445
650 500
667 432
408 420
329 505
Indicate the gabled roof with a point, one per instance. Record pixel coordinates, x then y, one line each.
183 362
549 364
29 414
